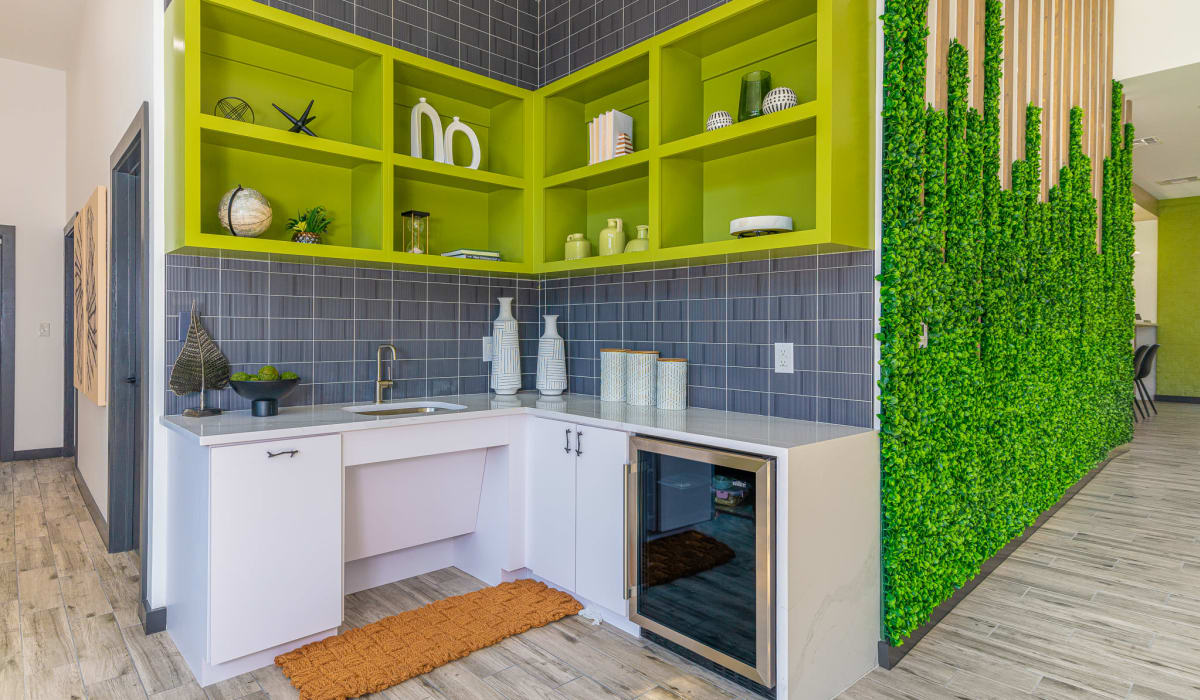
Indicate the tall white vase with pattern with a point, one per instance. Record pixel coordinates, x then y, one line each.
552 360
506 351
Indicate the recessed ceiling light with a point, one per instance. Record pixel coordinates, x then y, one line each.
1146 141
1180 180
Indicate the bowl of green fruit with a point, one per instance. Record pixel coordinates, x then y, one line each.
264 389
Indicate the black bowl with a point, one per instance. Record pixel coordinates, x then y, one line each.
264 396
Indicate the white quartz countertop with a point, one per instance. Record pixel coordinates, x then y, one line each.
736 430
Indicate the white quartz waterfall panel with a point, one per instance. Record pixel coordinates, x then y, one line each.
408 502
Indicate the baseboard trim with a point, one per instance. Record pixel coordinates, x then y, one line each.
93 509
1177 399
153 619
889 655
40 453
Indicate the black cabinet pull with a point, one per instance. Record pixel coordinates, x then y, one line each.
131 380
289 453
567 445
578 443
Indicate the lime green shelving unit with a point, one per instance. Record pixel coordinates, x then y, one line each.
534 186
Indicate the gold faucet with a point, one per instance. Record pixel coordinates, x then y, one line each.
380 382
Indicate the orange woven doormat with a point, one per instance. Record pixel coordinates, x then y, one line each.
394 649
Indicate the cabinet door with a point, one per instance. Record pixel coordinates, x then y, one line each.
600 516
276 544
551 507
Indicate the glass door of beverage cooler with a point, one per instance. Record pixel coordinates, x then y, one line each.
701 550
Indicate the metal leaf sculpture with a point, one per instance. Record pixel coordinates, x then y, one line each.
201 365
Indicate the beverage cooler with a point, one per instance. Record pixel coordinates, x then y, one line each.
700 554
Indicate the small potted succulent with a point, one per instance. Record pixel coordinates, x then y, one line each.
308 225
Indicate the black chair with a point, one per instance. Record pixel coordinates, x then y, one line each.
1143 371
1138 357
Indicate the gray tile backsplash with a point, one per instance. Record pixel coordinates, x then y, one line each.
325 322
528 43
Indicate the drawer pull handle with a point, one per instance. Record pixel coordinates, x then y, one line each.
578 443
567 446
289 453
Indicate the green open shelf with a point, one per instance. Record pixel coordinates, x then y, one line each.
572 103
496 114
534 185
247 56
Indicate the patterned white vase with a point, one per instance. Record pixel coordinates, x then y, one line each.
506 351
641 379
552 360
672 384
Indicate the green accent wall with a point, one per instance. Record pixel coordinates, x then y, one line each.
1178 290
1005 333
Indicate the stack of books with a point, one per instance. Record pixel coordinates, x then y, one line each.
472 254
610 135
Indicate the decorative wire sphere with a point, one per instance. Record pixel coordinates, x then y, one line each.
234 108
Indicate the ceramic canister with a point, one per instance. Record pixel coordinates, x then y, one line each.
672 384
612 374
641 377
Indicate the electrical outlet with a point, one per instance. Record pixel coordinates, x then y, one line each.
487 348
44 329
784 353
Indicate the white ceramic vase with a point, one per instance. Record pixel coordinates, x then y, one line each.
420 109
458 127
506 351
552 360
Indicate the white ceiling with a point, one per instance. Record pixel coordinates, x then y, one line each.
1166 105
41 32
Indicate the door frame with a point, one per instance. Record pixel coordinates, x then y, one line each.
70 416
129 361
8 338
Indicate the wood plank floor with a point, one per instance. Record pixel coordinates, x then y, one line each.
1102 602
70 626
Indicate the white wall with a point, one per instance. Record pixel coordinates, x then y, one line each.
1153 36
1145 269
108 78
32 197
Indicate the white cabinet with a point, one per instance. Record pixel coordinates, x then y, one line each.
275 543
576 508
600 517
551 507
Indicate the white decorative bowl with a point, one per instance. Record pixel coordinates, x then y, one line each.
759 225
718 120
779 99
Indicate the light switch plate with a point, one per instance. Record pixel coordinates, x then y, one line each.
784 354
44 329
487 348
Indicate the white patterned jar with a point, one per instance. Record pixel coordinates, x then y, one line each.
612 374
672 384
641 377
552 360
718 120
779 99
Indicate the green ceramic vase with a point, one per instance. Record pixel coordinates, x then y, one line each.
642 242
577 246
612 237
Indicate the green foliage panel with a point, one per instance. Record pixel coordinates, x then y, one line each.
1005 333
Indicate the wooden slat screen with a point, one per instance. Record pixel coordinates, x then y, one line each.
1057 55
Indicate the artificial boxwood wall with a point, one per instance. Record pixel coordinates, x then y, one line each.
1006 336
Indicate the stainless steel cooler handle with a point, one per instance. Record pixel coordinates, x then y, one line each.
630 520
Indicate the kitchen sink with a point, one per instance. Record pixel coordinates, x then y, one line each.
406 408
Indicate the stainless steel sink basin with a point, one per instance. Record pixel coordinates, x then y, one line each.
407 408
